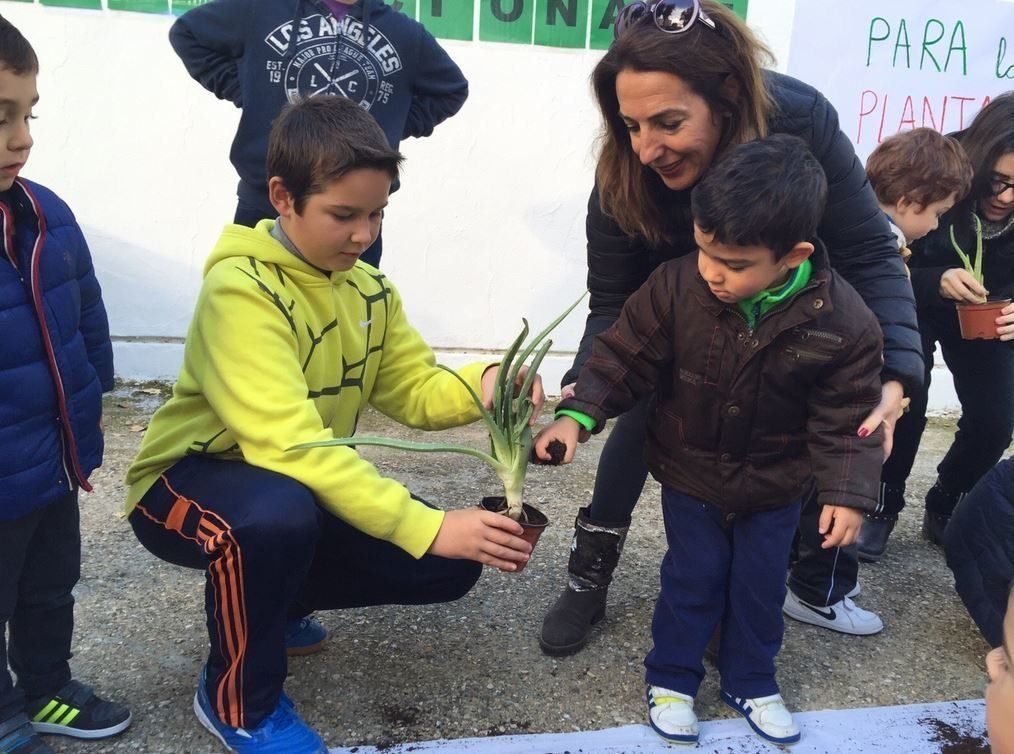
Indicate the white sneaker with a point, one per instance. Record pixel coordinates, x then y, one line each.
767 716
671 715
845 616
856 591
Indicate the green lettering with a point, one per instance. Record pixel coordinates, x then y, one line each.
870 38
927 43
962 48
1001 53
898 44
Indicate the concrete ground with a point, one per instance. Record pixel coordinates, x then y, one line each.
474 668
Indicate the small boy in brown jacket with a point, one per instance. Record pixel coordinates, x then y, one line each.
762 361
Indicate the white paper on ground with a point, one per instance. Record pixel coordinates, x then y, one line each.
908 729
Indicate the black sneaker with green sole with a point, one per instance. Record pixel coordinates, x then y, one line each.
75 711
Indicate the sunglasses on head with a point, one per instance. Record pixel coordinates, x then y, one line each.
670 16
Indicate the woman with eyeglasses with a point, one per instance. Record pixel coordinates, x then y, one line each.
682 83
983 370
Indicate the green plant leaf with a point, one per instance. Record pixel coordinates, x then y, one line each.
491 425
387 442
534 343
501 389
978 249
961 254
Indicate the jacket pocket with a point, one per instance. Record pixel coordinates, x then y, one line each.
809 345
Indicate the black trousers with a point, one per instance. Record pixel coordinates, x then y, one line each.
40 562
983 372
821 577
269 554
249 215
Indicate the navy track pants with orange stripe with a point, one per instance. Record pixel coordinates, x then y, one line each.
271 554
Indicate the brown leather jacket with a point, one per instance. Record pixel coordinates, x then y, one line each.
745 420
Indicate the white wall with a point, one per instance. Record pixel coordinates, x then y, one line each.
488 226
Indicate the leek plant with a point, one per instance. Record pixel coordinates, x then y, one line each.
507 421
974 268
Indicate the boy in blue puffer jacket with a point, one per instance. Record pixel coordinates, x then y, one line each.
55 363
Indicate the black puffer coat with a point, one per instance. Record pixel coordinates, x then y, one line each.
979 542
861 245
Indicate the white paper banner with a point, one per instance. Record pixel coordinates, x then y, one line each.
893 66
909 729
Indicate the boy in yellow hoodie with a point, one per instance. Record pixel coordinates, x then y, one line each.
292 336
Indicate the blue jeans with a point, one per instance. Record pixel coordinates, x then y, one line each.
727 568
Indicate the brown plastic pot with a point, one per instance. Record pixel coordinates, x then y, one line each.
978 321
533 521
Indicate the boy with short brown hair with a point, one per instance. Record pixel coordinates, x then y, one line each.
917 176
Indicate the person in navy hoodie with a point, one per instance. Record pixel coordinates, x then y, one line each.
55 363
261 54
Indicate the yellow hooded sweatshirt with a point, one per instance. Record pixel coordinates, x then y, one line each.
278 354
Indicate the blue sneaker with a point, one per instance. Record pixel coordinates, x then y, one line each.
304 636
281 732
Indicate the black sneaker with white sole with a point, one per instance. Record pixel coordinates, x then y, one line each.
76 711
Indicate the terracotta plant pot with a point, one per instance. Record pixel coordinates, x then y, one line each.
533 521
979 320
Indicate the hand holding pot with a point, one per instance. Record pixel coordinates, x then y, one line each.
488 538
958 285
1005 323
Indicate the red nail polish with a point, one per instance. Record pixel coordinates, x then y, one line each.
863 432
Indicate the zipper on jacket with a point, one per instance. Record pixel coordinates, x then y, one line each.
66 431
827 337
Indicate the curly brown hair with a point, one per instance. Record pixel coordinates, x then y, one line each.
921 165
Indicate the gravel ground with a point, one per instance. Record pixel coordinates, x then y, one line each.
474 668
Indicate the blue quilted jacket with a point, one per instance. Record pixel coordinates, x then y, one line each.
56 359
979 542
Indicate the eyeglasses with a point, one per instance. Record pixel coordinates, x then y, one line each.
998 186
670 16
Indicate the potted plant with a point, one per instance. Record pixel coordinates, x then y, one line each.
977 320
507 422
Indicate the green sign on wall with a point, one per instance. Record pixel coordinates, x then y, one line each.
140 6
561 23
554 23
506 20
87 4
448 19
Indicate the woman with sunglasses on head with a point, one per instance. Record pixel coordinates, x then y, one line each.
681 84
983 370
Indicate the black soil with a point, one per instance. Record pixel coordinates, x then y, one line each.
557 451
953 741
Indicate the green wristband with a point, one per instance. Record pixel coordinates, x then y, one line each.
583 419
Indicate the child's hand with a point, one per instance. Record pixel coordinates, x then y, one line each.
537 395
489 538
564 430
839 525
